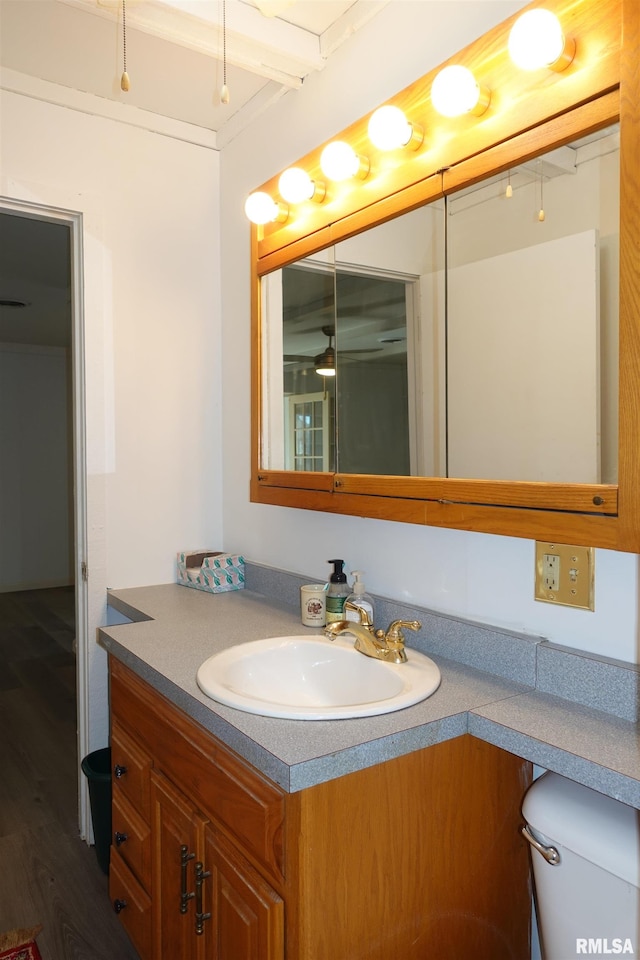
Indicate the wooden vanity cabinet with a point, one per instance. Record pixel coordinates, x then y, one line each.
417 858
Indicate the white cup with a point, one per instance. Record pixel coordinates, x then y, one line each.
313 604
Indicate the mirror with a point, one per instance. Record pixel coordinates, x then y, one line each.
569 469
473 337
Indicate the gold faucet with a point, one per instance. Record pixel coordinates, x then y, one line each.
387 646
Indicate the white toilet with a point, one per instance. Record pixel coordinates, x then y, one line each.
588 902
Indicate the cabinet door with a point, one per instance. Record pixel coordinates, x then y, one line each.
247 915
175 826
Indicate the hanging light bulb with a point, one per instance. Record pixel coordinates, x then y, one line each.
456 91
260 208
509 191
296 186
390 129
537 40
339 161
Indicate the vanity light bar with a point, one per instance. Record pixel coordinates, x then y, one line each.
536 41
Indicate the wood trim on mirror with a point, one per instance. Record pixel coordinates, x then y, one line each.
600 86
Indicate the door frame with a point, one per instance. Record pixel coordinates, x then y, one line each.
74 220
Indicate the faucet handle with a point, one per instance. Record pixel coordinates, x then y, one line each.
365 619
394 633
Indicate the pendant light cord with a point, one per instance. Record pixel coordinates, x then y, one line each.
124 80
224 92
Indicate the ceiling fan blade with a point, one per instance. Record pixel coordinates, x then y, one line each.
346 351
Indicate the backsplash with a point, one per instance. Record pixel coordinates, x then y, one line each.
603 684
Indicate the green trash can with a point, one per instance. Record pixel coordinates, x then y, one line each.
96 767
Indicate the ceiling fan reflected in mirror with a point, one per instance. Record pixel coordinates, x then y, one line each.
325 362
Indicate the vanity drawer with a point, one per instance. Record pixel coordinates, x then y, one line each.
132 838
132 904
130 766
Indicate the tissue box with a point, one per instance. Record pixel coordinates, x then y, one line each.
211 571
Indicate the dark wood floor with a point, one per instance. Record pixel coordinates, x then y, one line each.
47 874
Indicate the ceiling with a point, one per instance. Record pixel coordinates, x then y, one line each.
175 51
175 65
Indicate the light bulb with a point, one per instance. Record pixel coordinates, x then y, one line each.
339 161
536 40
455 91
390 129
296 186
260 208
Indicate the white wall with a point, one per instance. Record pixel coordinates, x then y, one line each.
152 337
482 577
35 447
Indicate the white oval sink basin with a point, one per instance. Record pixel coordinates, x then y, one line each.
314 678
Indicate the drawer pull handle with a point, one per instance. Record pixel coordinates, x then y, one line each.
119 905
120 838
185 856
201 875
119 771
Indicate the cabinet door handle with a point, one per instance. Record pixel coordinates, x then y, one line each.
119 905
119 771
185 856
201 875
119 838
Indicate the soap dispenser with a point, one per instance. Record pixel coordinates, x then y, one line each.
359 598
337 592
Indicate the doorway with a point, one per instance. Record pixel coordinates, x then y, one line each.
42 436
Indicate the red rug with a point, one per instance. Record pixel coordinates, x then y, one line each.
20 944
26 951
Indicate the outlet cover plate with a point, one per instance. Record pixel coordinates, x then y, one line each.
565 575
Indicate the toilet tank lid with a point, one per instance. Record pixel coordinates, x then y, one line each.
597 828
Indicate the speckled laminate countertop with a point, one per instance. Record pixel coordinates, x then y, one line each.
177 628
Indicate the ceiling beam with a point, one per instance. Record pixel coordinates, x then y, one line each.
265 46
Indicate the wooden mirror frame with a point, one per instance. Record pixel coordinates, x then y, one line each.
529 113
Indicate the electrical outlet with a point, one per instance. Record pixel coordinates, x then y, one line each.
565 574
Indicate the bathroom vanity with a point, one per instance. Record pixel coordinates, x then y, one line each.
386 836
419 856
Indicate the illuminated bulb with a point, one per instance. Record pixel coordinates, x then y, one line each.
509 191
339 161
541 215
296 186
536 40
455 91
390 129
260 208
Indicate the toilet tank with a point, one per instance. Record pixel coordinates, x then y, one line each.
588 904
